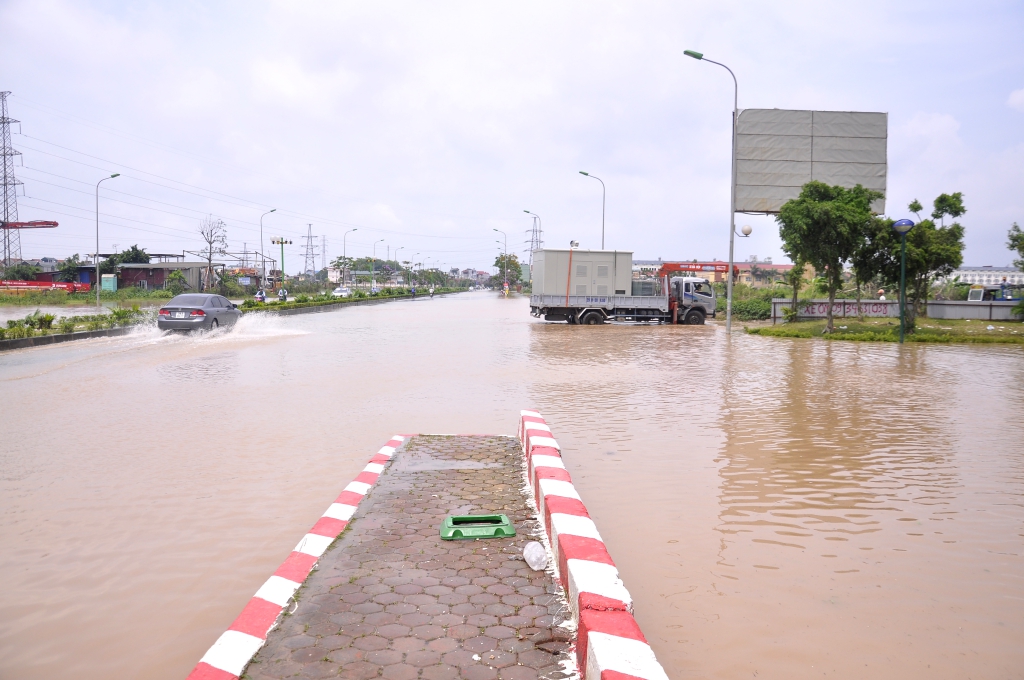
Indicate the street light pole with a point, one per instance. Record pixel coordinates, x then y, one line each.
506 253
262 254
373 267
396 256
732 189
587 174
412 266
344 255
98 279
903 227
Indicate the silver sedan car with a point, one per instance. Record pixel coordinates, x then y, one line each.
193 311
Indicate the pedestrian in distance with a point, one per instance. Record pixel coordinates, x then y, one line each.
414 291
431 292
881 294
282 295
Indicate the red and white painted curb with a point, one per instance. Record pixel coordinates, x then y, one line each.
230 654
609 643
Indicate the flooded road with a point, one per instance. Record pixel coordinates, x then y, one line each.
778 508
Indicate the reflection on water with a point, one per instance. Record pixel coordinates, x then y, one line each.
815 454
778 508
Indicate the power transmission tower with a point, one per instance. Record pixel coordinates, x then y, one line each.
536 239
11 236
310 267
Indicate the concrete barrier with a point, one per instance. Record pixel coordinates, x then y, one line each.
38 340
992 310
609 642
233 650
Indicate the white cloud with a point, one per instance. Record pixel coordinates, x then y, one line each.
1016 100
449 120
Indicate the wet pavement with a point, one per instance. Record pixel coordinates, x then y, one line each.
391 599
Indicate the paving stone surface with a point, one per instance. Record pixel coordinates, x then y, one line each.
391 600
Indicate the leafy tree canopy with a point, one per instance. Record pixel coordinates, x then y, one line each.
1016 242
69 268
932 251
22 271
515 271
824 227
133 255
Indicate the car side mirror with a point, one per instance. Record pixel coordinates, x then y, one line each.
233 306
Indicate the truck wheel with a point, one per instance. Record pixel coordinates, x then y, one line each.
592 319
694 318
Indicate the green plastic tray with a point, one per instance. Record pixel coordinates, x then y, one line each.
458 527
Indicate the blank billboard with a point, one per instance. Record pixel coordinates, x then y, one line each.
778 151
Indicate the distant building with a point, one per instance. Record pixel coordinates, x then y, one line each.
154 274
986 275
755 273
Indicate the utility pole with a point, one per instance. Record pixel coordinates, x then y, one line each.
280 240
310 267
323 252
12 237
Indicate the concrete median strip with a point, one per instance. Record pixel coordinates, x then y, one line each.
389 599
609 642
233 651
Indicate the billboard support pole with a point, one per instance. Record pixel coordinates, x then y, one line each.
732 189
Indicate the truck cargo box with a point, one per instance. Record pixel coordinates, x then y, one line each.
593 272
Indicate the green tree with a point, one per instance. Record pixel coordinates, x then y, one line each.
22 271
932 251
69 268
1016 242
176 282
947 204
514 268
824 227
133 255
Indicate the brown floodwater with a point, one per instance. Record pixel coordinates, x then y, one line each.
778 508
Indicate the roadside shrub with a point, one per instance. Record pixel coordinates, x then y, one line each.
302 298
752 310
94 324
66 325
120 316
3 333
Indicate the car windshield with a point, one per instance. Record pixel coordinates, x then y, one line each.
188 301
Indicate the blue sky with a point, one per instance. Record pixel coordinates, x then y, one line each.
429 125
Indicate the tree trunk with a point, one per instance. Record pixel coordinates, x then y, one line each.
860 314
796 293
830 326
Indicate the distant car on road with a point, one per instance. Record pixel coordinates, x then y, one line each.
341 291
193 311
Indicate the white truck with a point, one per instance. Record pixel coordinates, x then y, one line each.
595 286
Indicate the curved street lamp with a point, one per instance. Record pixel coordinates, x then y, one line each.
903 227
506 253
396 256
98 279
587 174
265 280
373 266
699 56
344 255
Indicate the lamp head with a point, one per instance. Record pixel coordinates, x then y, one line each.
746 230
585 173
273 210
574 244
696 55
116 174
901 227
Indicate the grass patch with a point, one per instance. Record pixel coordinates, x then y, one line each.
46 298
886 330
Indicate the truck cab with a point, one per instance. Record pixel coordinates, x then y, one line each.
693 299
